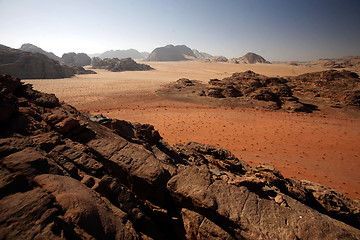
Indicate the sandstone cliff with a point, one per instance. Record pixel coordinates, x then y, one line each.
76 59
30 65
27 47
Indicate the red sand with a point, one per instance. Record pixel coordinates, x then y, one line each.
322 147
315 147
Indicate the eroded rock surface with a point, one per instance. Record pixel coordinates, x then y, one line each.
336 87
76 59
64 175
34 65
119 65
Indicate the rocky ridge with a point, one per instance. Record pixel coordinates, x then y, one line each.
352 62
201 55
341 88
65 175
274 91
293 94
30 65
27 47
245 89
119 65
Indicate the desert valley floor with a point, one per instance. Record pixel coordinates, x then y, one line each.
322 146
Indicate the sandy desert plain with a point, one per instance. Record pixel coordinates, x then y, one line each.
322 146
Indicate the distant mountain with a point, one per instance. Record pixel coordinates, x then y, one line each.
201 55
249 58
168 53
76 59
129 53
145 54
34 65
177 53
27 47
186 51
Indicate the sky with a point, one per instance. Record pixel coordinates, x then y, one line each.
278 30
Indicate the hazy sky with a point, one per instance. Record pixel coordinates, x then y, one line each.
275 29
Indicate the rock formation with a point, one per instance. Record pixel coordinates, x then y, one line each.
274 91
67 176
167 53
201 55
249 58
27 47
337 87
30 65
185 51
352 63
119 65
76 59
218 59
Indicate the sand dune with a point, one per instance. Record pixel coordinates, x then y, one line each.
321 147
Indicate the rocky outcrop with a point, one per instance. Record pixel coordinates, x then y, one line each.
336 87
27 47
30 65
218 59
352 62
167 53
201 55
273 92
249 58
67 176
185 51
76 59
119 65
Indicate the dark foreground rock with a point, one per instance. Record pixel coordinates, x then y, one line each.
119 65
68 176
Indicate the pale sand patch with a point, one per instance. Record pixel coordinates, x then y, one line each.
320 147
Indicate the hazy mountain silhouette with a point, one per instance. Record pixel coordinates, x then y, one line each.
28 47
128 53
201 55
167 53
